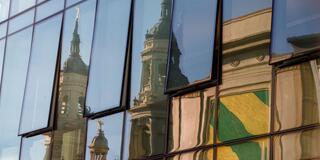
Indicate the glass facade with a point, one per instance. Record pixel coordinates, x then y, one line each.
159 80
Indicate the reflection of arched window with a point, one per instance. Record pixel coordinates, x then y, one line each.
80 106
64 105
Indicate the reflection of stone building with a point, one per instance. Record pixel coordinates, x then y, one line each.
69 139
149 108
99 145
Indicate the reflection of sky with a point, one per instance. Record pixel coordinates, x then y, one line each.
294 18
193 26
4 8
20 5
236 8
14 76
147 13
33 148
87 10
113 132
109 49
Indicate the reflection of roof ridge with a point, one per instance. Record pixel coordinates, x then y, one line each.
252 14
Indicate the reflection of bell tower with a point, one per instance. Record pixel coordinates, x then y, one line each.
99 145
149 106
70 135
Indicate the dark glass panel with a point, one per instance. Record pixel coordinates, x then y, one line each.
251 150
4 9
192 45
3 29
196 155
192 120
299 145
41 73
104 138
108 55
21 21
36 148
146 120
12 89
297 95
20 5
70 135
49 8
243 115
296 28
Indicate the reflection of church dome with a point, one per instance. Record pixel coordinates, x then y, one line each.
161 29
74 63
99 142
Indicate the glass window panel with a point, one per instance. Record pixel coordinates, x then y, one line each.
14 76
148 104
104 137
49 8
108 55
21 21
70 135
198 155
299 145
192 44
298 95
296 28
36 148
191 120
4 9
2 47
246 39
20 5
39 1
3 29
243 115
253 150
39 87
71 2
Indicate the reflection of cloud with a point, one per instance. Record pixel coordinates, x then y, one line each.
10 153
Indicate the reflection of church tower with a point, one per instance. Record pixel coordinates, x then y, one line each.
99 145
70 135
148 112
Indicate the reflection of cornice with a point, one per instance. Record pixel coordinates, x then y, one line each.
247 31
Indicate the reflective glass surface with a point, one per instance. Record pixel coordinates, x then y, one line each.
196 155
251 150
20 5
296 28
21 21
71 2
104 138
36 148
146 120
70 135
41 72
4 9
299 145
192 120
14 76
297 92
108 55
243 115
3 29
192 44
49 8
2 51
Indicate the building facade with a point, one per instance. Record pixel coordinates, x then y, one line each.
159 80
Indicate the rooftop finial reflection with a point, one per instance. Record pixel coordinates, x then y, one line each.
99 145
